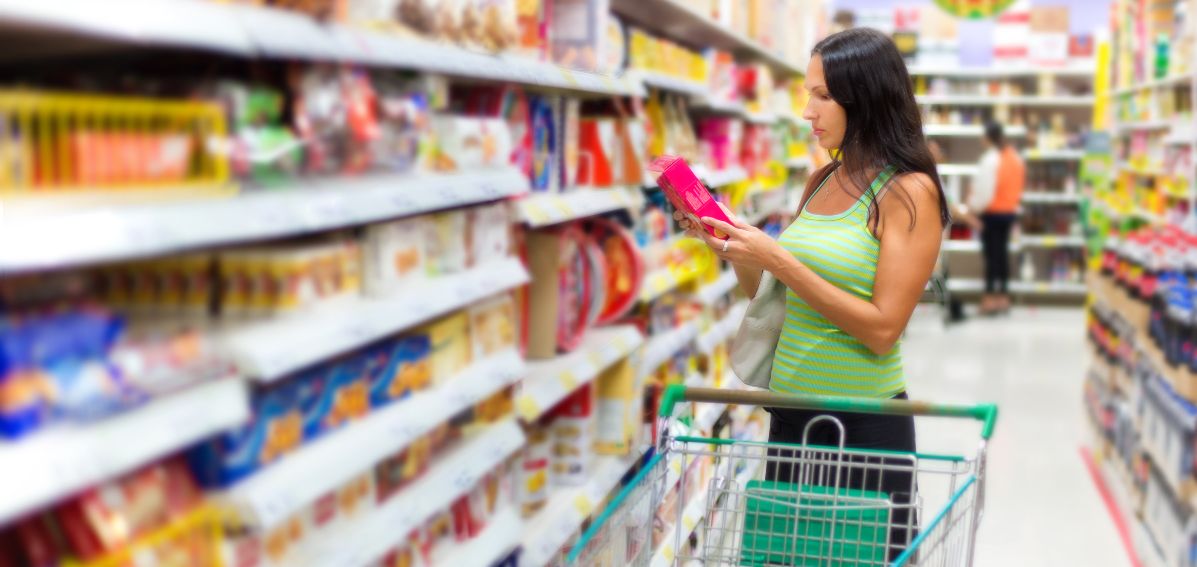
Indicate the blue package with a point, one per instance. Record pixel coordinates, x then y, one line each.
409 370
274 429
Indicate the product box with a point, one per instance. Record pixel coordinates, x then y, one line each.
332 395
446 250
577 32
274 429
407 369
596 167
573 431
451 351
686 192
1048 45
493 326
618 404
489 233
467 143
393 254
532 474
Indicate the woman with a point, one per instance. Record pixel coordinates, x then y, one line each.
996 195
857 258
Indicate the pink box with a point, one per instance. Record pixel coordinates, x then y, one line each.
686 192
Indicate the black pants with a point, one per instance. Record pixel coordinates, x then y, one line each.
861 431
995 247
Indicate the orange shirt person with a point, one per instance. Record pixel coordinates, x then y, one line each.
997 193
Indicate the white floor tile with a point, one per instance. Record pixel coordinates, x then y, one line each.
1042 508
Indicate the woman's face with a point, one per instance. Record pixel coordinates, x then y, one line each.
826 116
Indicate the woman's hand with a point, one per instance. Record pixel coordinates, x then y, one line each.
746 245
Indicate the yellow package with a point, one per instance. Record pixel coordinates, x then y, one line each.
451 348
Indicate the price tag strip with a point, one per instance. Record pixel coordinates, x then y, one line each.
277 492
722 331
270 350
662 347
550 381
365 539
61 461
549 209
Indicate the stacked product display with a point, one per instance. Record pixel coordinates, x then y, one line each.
389 283
1044 101
1140 392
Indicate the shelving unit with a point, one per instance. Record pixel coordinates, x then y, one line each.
305 194
948 92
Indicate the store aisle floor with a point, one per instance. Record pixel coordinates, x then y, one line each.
1042 507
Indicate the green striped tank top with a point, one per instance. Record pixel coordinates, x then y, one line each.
813 355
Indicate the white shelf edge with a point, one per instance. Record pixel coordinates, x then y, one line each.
146 229
1034 197
1072 70
1019 287
365 539
957 169
723 330
545 209
1008 100
272 349
569 508
55 464
709 293
967 130
660 348
280 490
1053 155
550 381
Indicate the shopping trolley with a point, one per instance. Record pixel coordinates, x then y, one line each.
704 501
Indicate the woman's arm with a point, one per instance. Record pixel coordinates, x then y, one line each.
903 267
748 277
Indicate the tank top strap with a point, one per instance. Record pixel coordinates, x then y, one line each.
877 185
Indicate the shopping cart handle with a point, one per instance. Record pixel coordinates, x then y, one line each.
985 413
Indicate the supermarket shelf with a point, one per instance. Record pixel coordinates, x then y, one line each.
1077 70
723 330
803 162
272 349
1053 155
676 20
958 169
1176 80
708 294
280 490
967 130
673 84
721 177
501 535
50 235
550 381
663 280
1046 198
363 540
568 509
1056 289
663 346
1008 100
59 462
551 208
1029 241
1143 125
253 31
1051 241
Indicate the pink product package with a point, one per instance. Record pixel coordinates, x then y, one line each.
686 192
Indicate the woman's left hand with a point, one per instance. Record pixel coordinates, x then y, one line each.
746 246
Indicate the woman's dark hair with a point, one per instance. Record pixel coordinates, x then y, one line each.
866 75
994 133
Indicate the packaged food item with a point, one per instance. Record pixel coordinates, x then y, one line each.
332 395
578 30
274 429
445 243
534 470
394 255
396 472
596 167
408 369
403 123
686 192
618 409
531 23
568 116
468 143
500 28
264 150
489 233
493 326
623 268
572 430
451 348
545 154
417 15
